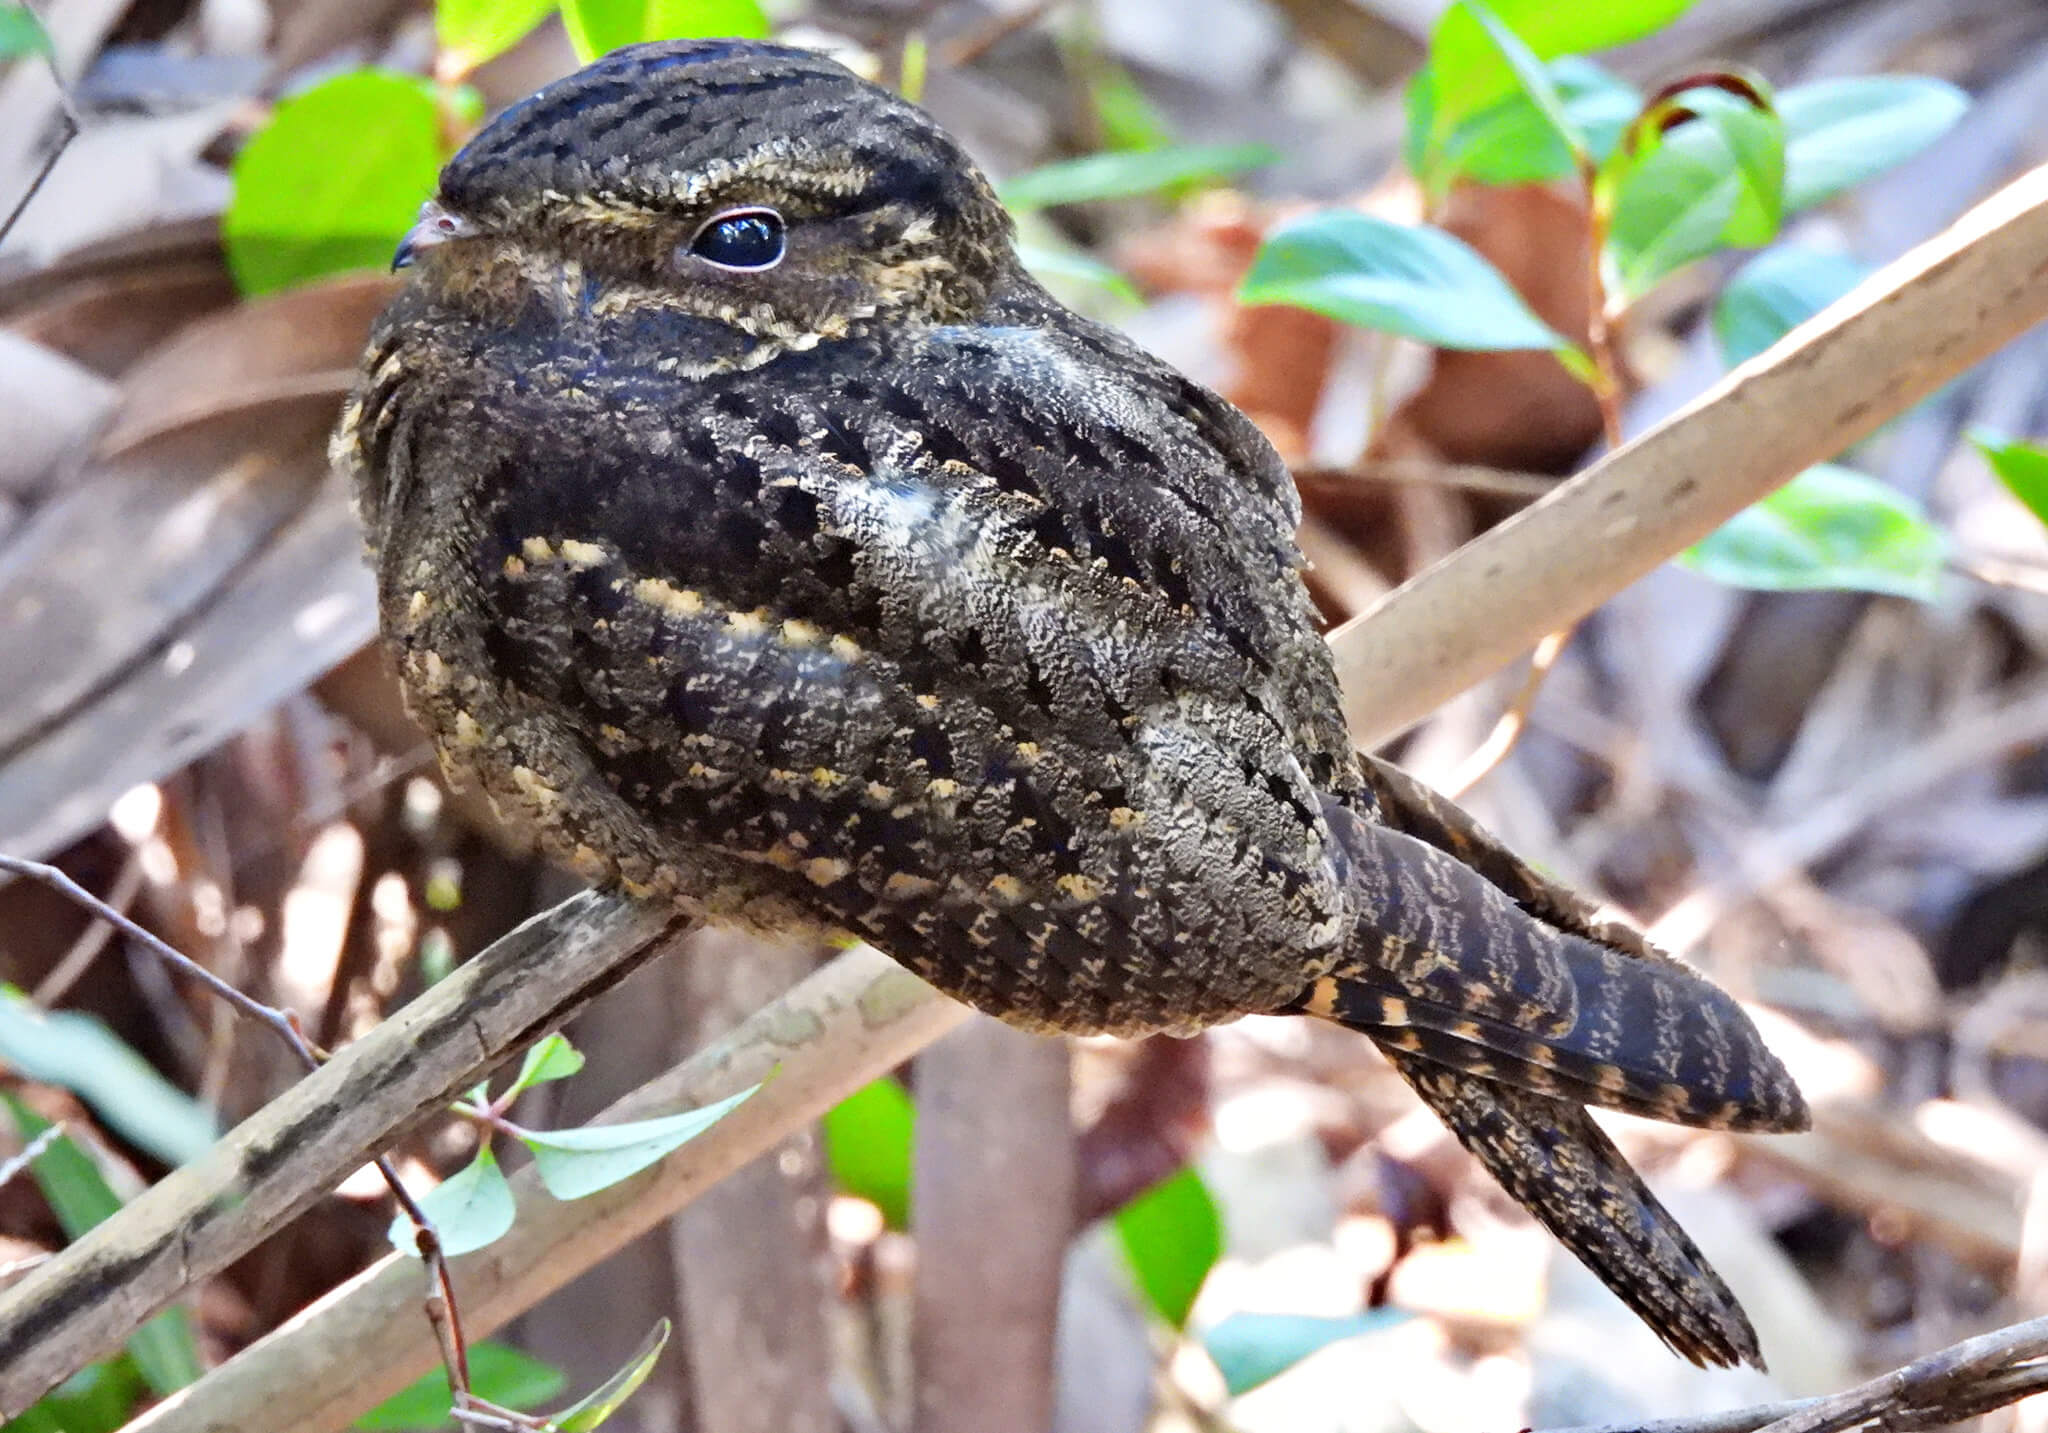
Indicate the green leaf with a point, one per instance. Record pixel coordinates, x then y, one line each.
1250 1349
1125 114
597 27
590 1411
1717 181
1053 266
1477 63
550 1058
474 31
869 1136
1557 27
164 1349
576 1162
1774 293
22 34
2021 466
1172 1236
1421 283
503 1375
1512 142
333 181
99 1398
1830 528
1839 133
78 1053
1121 174
471 1208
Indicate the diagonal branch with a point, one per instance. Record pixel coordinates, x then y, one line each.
1905 332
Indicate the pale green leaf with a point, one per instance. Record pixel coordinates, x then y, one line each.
2021 466
1125 173
1774 293
1829 528
1250 1349
1421 283
1841 132
22 34
601 1403
478 30
1715 182
576 1162
597 27
502 1375
550 1058
470 1209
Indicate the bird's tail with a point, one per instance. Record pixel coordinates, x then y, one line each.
1508 1007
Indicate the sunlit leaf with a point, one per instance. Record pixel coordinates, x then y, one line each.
503 1375
1839 133
1125 114
333 181
1124 173
470 1209
21 33
79 1053
1477 63
1714 182
576 1162
1250 1349
868 1141
164 1349
597 27
602 1402
1513 142
1172 1236
2021 466
1774 293
1418 282
1558 27
1828 528
552 1057
474 31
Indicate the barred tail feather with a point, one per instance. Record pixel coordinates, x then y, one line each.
1549 1155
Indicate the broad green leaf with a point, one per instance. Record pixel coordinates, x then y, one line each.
470 1209
1774 293
1476 63
99 1398
576 1162
2021 466
551 1058
474 31
869 1136
164 1349
1557 27
1121 174
503 1375
601 1403
1831 528
1717 181
1512 142
1250 1349
1839 133
77 1052
1054 266
21 33
1172 1236
597 27
333 181
1421 283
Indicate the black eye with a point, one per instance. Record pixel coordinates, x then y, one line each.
741 239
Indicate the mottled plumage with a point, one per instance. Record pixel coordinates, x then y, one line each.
869 590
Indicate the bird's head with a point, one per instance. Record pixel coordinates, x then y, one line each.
755 197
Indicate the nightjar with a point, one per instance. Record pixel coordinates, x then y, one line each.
753 528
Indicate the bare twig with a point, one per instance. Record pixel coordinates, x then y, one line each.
1961 1381
1508 730
92 940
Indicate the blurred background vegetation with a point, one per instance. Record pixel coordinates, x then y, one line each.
1443 256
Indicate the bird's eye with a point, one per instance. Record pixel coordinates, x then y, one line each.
741 239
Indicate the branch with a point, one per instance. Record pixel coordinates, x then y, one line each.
1947 1386
852 1021
1904 332
84 1301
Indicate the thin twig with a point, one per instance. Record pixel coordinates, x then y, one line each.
1508 730
441 1305
92 940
